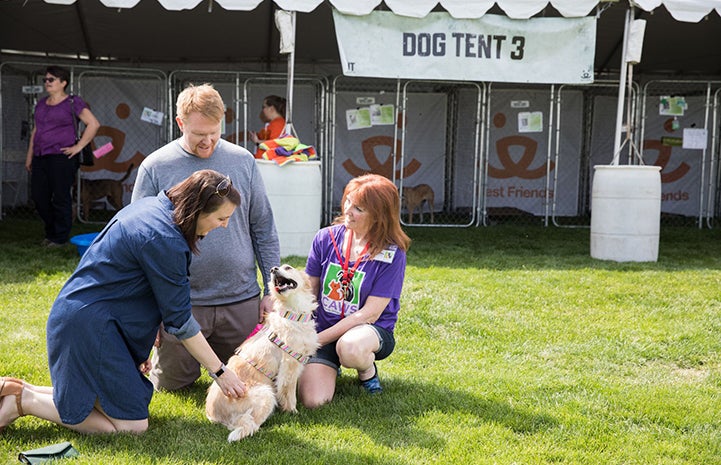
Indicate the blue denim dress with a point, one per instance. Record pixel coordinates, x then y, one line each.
103 323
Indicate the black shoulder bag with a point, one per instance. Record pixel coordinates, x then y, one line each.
85 156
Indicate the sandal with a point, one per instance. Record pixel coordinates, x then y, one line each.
12 387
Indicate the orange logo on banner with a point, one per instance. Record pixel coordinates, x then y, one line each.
117 137
519 169
664 157
384 168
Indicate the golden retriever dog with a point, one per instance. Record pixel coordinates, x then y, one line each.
414 196
271 361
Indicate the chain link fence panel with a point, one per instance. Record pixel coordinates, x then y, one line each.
423 135
677 135
468 154
592 116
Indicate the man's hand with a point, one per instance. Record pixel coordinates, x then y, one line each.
145 367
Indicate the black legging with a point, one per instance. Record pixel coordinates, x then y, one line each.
51 183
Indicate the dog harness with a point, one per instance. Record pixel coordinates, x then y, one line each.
276 340
268 373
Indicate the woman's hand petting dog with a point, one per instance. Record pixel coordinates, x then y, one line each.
227 380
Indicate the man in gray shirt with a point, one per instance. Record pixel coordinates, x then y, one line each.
224 286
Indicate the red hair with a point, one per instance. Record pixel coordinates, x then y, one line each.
378 196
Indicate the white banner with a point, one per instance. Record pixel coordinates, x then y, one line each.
518 154
491 48
680 167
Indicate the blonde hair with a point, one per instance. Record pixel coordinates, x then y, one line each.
378 196
203 99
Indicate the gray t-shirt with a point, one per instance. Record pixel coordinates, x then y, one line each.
225 270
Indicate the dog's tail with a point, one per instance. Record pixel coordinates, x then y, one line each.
127 173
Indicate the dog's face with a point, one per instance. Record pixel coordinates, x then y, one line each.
284 280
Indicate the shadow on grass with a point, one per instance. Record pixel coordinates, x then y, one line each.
404 402
390 420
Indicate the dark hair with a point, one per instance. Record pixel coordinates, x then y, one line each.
60 73
276 102
196 195
379 197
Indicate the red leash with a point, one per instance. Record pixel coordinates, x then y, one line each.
347 277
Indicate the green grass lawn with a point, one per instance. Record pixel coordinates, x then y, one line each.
514 347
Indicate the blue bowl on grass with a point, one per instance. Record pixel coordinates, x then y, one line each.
83 241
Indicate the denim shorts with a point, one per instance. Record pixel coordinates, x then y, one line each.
327 355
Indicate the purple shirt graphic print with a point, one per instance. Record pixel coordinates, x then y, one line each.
334 297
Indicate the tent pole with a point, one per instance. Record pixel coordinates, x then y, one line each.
622 88
289 129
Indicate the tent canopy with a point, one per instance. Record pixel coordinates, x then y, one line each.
242 32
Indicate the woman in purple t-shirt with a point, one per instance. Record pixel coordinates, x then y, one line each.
52 157
356 267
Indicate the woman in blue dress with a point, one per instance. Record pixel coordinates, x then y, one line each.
103 324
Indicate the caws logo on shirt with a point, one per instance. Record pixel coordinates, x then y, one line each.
336 295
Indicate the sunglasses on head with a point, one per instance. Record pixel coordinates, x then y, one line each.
50 79
223 187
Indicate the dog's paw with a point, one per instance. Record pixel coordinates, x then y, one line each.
287 406
289 409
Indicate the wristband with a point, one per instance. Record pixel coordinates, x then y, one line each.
218 373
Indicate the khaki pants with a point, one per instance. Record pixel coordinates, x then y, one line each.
224 327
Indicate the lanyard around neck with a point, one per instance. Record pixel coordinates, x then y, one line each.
347 277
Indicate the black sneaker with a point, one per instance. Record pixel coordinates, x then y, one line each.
372 385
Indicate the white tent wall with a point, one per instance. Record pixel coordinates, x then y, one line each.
467 142
16 117
375 148
244 41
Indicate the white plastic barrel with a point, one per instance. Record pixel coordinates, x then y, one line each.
295 194
626 213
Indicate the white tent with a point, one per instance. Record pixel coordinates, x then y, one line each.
194 31
242 32
681 10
